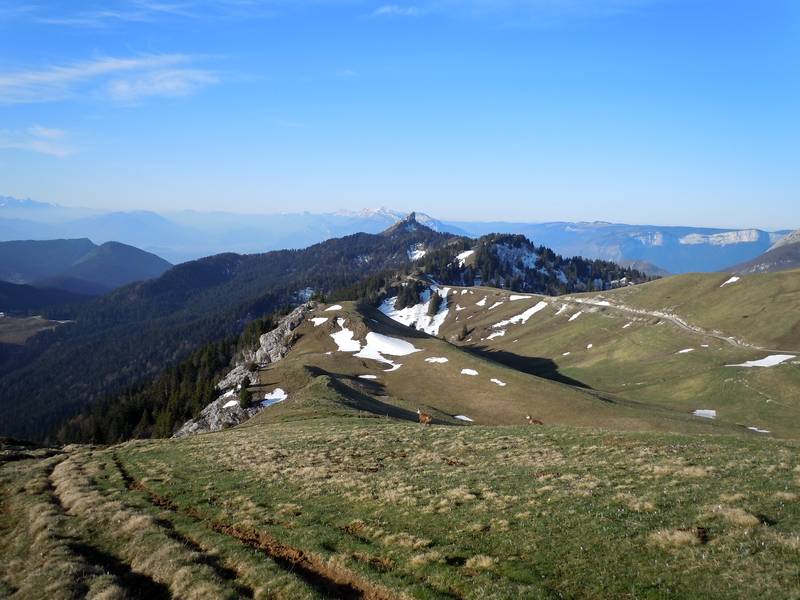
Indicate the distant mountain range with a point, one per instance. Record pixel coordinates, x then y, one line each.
77 265
186 235
782 256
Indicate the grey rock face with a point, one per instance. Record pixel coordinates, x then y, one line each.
273 346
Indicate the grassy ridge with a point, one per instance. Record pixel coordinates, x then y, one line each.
638 356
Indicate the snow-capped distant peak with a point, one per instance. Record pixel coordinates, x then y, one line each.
391 215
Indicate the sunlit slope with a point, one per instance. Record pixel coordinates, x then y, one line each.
763 308
628 343
441 379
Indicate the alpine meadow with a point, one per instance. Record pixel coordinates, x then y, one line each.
562 360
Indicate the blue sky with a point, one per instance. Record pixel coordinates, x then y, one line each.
643 111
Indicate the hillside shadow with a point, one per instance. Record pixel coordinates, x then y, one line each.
532 365
361 401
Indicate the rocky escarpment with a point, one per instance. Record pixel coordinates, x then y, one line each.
225 411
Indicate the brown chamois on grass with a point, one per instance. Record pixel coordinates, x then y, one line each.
531 421
424 418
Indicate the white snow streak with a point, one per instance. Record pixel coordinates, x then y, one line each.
334 307
464 256
575 316
319 320
769 361
471 372
523 317
437 359
706 413
733 279
344 338
498 382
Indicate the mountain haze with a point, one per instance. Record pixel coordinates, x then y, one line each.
78 265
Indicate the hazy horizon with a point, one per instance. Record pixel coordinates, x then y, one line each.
628 111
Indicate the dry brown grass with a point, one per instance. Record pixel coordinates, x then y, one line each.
480 562
672 538
736 516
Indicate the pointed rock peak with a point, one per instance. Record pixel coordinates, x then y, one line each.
407 225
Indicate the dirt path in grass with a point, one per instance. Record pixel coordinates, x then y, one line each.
680 323
329 581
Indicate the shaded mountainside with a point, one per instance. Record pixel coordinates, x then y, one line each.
134 333
17 298
784 255
78 266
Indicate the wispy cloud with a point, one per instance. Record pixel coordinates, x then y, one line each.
395 10
107 13
43 140
121 79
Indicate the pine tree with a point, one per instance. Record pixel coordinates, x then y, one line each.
244 394
434 304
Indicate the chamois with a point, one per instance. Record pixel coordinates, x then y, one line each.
532 421
424 418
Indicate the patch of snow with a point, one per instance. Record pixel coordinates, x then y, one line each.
589 346
706 413
464 256
733 279
367 376
344 338
704 345
769 361
566 353
437 359
464 292
471 372
378 344
495 305
463 418
757 430
685 351
627 325
394 367
319 320
575 316
230 403
417 315
562 309
334 307
515 297
273 397
497 334
481 302
498 382
523 317
416 252
460 308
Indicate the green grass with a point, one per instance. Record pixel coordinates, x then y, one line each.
641 362
440 512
